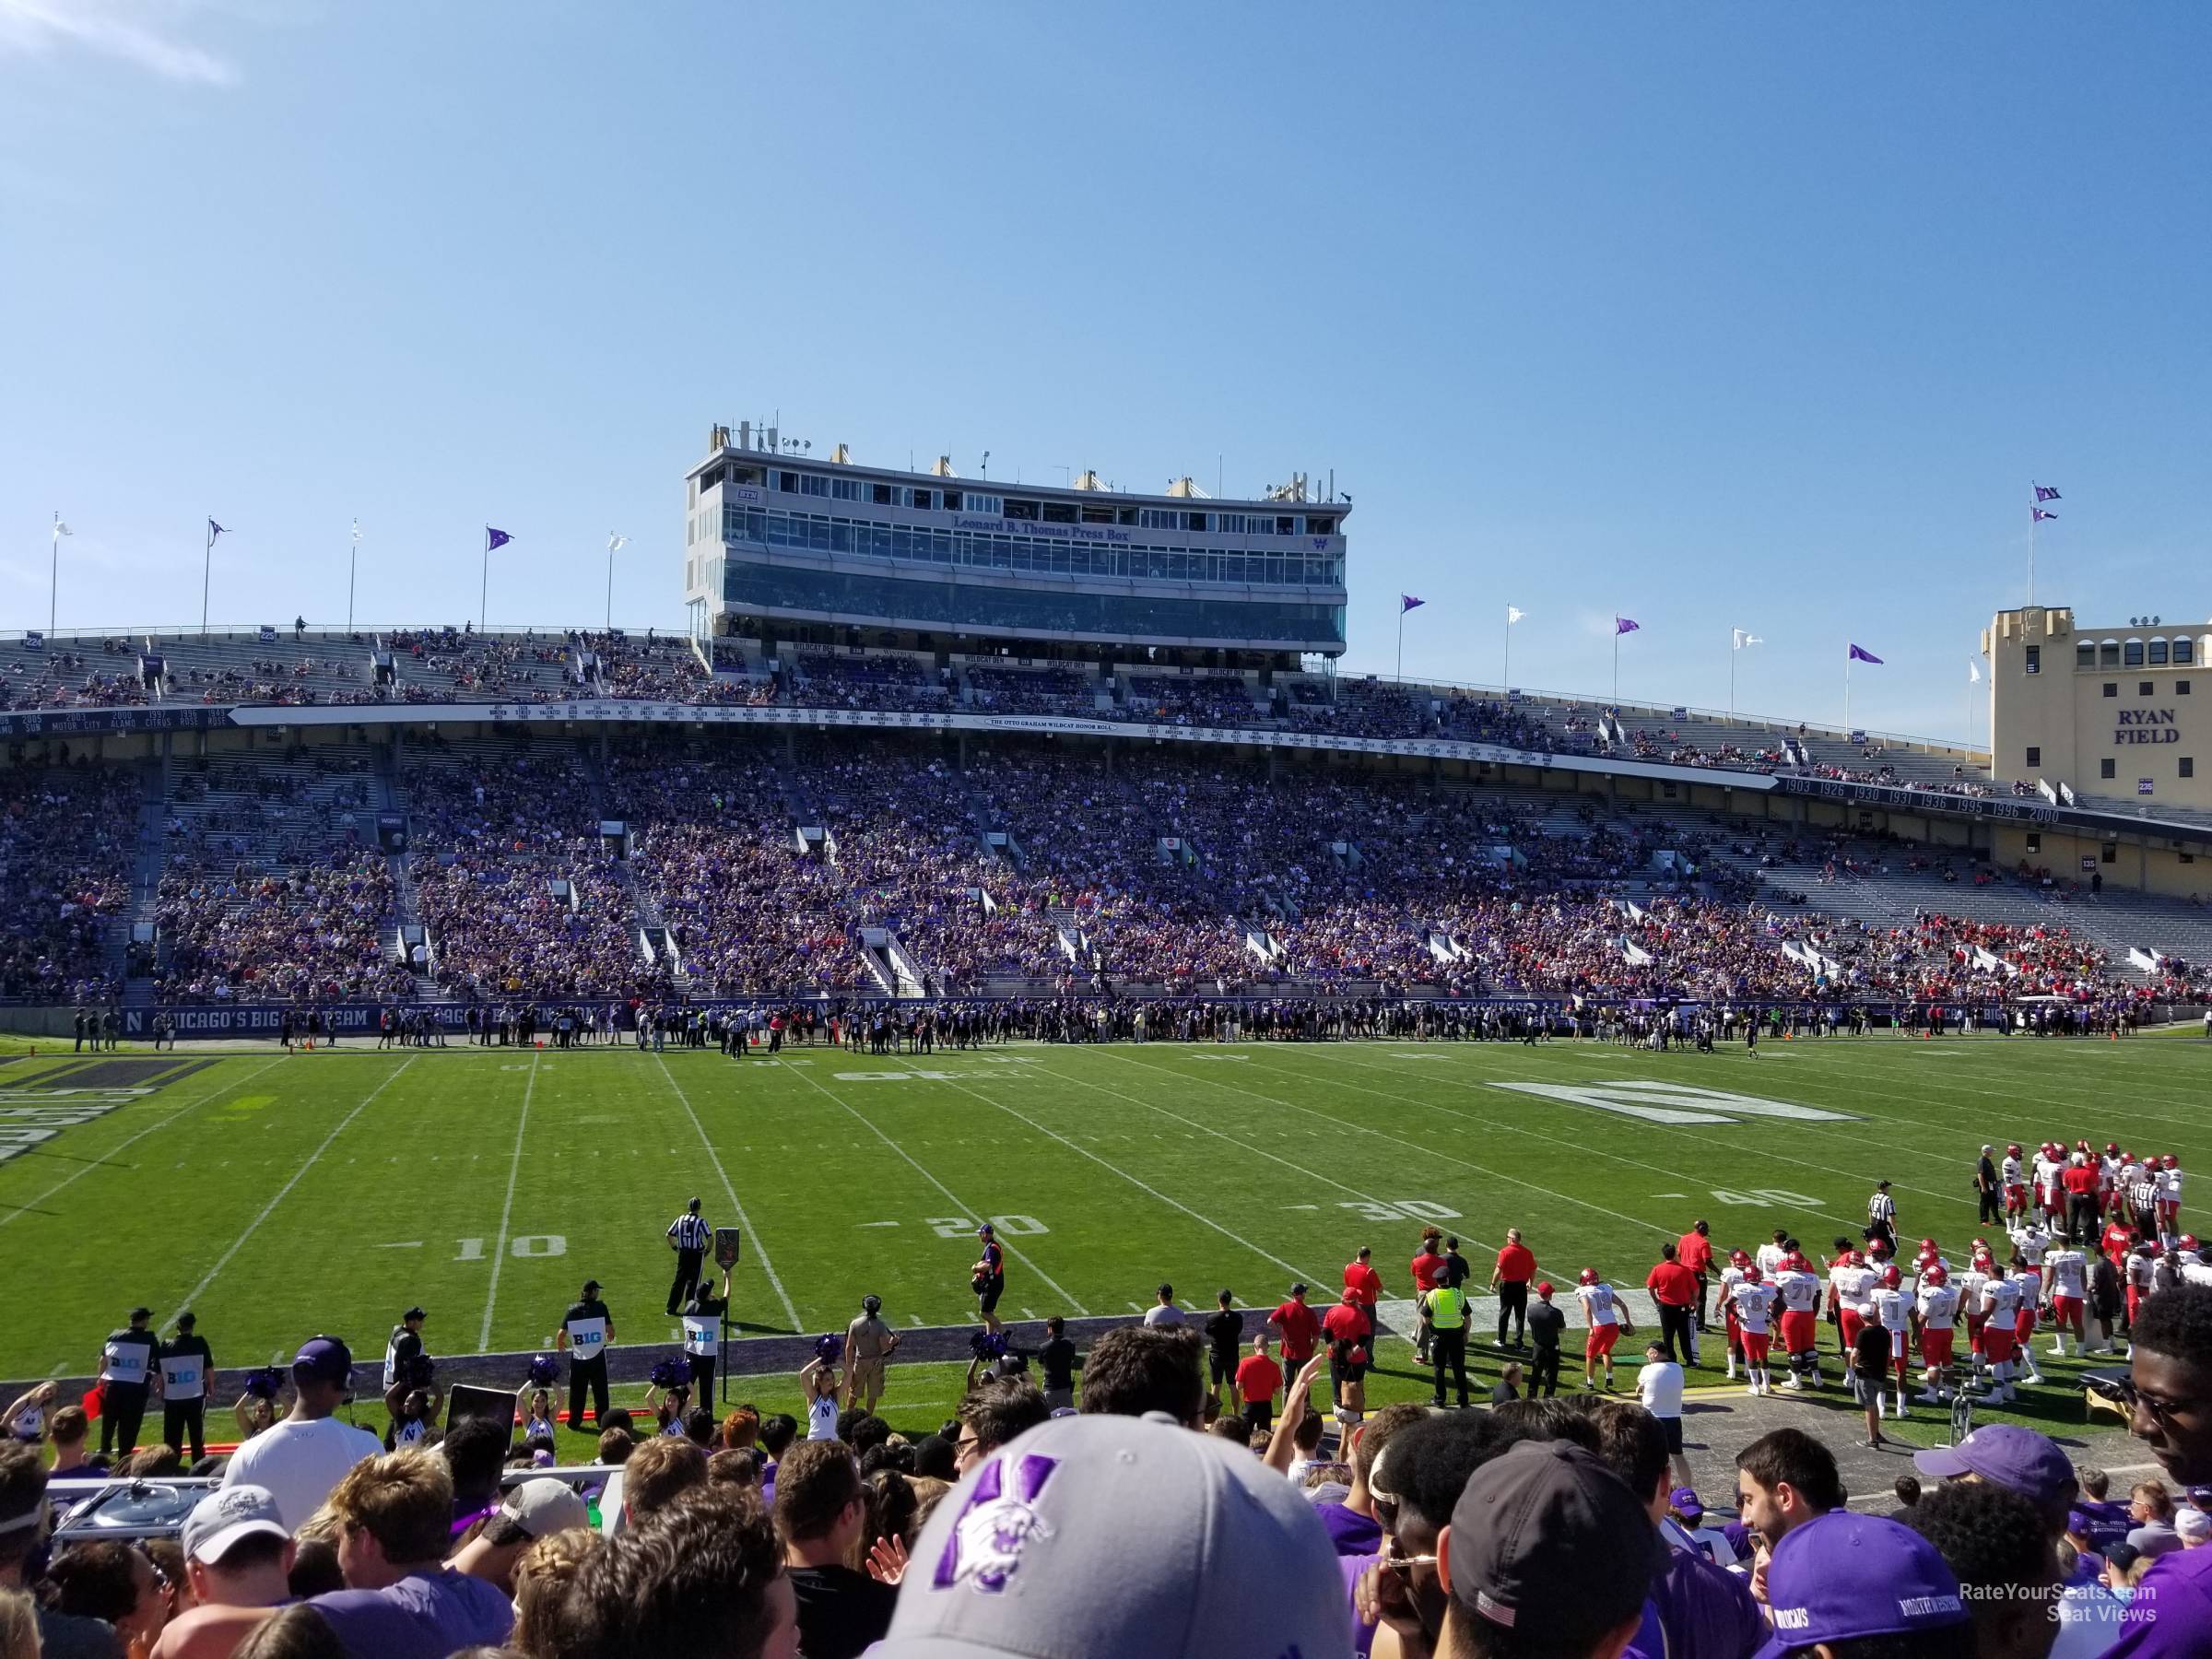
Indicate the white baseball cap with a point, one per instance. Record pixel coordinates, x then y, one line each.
1116 1535
223 1517
546 1506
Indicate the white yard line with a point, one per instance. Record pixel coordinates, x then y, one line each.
961 1203
269 1208
515 1165
1427 1151
744 1220
125 1146
1586 1148
1292 1268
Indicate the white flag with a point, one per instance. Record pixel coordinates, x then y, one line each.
615 544
357 533
1512 615
1740 639
62 529
1973 672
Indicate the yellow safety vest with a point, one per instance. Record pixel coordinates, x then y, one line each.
1447 1308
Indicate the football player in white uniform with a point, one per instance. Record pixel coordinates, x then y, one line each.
1752 1302
1732 1275
2066 1271
2000 1320
1602 1310
1771 1253
1889 1302
1850 1281
1935 1316
1799 1293
2029 1245
2016 1184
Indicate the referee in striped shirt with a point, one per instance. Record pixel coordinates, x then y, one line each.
1881 1217
689 1236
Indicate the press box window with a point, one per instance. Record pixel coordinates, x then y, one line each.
2085 655
2111 688
2143 687
2106 769
2035 659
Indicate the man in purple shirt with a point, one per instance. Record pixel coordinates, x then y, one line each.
401 1600
2170 1379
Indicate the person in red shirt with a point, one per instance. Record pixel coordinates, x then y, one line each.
1259 1380
2081 1181
1516 1266
1428 1273
1350 1327
1673 1289
1361 1281
1695 1253
1299 1327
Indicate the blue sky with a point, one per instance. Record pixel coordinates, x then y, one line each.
1716 316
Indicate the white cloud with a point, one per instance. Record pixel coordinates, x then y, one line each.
141 33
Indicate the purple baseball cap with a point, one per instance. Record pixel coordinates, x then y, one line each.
1841 1577
323 1359
1685 1503
2006 1454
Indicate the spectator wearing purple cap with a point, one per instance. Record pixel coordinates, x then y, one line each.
2170 1379
1106 1535
2031 1464
301 1458
1846 1579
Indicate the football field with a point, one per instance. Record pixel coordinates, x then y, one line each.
280 1196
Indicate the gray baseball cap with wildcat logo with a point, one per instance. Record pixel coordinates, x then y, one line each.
1116 1534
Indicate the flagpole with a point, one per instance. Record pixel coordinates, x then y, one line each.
610 585
1847 697
1507 685
1401 672
53 589
1732 651
206 568
484 587
353 561
2033 519
1617 663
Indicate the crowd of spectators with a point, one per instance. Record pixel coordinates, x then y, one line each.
69 679
1143 1497
519 894
67 841
1032 690
827 681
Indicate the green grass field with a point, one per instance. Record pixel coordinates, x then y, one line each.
281 1195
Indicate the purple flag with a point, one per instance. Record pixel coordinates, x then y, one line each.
2041 515
1625 624
2044 492
1407 602
215 530
494 539
1859 653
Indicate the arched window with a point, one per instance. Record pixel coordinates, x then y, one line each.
2184 651
2132 654
2108 653
2158 653
2085 655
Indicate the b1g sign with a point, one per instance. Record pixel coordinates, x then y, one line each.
1675 1102
2147 726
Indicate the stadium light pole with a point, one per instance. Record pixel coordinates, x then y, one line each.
54 588
615 544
